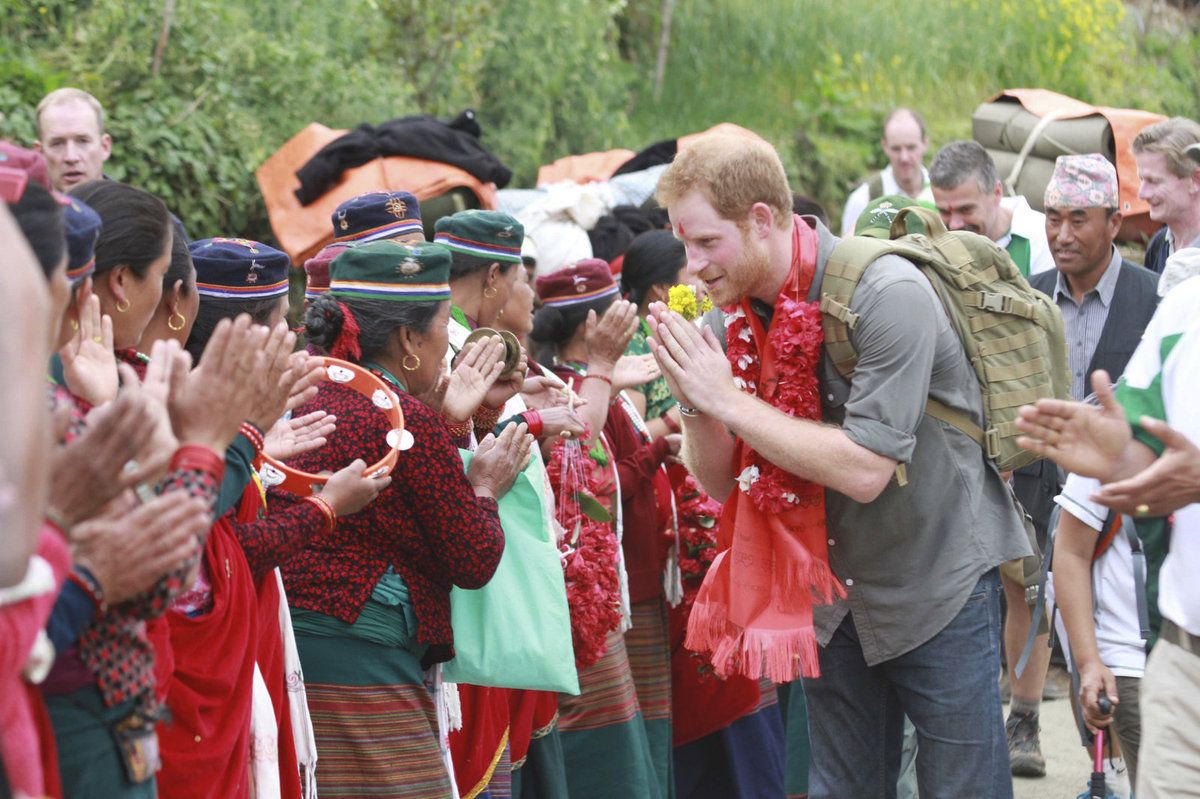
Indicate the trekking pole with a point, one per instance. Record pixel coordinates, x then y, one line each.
1097 788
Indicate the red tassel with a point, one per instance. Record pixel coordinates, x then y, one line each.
346 347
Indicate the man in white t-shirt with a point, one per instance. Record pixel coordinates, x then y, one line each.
1096 597
1127 445
905 143
969 196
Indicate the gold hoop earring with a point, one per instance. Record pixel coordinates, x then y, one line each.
404 363
176 326
491 289
126 308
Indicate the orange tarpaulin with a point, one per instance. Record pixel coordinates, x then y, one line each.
304 229
602 165
1126 123
584 168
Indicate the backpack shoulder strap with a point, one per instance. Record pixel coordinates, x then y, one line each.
843 270
875 186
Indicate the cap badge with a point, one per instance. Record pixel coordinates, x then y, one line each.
252 275
396 207
580 284
409 266
342 223
507 233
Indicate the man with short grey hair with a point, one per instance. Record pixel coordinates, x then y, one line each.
969 196
1170 185
71 136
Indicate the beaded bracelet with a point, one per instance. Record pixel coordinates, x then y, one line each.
533 420
326 509
605 378
458 429
253 435
486 419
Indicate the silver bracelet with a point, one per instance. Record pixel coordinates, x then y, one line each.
687 411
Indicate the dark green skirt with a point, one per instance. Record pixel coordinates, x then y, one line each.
89 761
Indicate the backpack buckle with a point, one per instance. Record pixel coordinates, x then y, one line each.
993 302
992 443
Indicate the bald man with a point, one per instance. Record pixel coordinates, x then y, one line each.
904 143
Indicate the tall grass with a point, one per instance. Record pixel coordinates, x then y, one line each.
815 77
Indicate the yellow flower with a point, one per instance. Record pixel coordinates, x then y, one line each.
682 300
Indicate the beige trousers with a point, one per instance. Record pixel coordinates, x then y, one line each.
1169 760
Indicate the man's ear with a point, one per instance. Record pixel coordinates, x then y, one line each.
762 218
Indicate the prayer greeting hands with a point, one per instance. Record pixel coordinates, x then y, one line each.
209 403
89 365
692 361
475 371
608 336
87 473
499 459
129 549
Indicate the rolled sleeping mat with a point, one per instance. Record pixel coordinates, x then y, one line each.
1006 125
1034 176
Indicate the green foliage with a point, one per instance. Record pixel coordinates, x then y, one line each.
554 77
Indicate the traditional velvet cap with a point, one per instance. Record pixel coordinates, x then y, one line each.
584 281
316 271
391 270
1082 181
377 215
489 235
83 228
239 269
876 219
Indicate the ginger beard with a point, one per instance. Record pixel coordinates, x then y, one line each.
746 276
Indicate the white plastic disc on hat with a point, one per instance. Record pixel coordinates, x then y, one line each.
339 374
382 399
270 475
400 439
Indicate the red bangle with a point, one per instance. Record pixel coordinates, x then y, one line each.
253 435
194 457
326 510
533 420
605 378
671 424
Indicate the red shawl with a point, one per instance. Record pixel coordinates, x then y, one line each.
753 614
205 670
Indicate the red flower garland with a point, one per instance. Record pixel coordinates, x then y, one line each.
590 551
796 339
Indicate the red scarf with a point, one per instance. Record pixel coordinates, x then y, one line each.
753 614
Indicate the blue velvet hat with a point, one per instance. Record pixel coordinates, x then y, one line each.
83 228
377 215
239 269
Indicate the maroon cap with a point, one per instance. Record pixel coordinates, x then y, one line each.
31 161
584 281
316 271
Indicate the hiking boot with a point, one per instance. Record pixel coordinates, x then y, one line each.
1024 747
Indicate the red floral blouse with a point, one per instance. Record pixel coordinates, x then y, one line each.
428 524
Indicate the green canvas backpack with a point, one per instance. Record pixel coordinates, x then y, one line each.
1012 334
